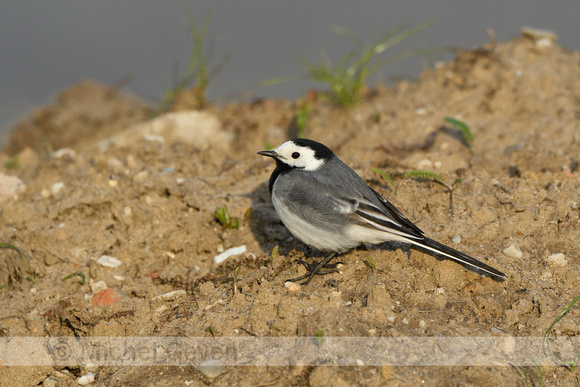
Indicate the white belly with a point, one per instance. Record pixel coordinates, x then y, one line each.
330 240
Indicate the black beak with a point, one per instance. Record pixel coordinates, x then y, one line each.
269 153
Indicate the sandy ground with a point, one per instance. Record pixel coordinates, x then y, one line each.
149 201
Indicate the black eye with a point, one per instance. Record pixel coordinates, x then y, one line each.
295 155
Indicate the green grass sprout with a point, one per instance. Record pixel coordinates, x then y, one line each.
273 254
77 274
223 216
372 264
537 369
319 337
10 246
570 364
348 79
198 74
462 127
385 176
12 163
437 179
301 118
425 175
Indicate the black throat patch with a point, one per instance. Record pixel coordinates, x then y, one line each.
280 169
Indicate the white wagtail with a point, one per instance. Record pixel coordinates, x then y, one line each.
326 205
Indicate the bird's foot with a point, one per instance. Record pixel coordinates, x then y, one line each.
314 268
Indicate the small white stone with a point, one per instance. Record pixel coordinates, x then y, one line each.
118 278
513 251
422 324
456 239
45 193
180 180
220 248
86 379
115 163
420 111
90 367
97 286
439 290
372 331
538 33
391 319
141 176
228 253
64 153
113 183
56 188
292 286
171 296
210 368
154 138
557 259
107 261
405 321
170 254
424 164
437 164
360 363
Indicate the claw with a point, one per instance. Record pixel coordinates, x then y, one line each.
314 268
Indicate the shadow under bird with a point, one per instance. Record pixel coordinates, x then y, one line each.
325 204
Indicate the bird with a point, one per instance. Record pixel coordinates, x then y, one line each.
325 204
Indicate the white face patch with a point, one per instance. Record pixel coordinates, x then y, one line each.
298 156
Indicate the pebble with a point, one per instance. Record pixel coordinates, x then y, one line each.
107 261
171 296
141 176
538 33
51 381
65 154
86 379
106 297
210 368
424 164
558 259
513 251
56 189
405 321
97 286
228 253
292 286
456 239
360 363
118 278
422 324
391 319
154 138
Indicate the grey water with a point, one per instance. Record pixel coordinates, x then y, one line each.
46 46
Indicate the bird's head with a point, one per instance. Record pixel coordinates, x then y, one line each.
301 153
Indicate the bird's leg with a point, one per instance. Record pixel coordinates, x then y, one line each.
314 269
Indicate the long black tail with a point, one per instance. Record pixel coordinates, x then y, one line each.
456 255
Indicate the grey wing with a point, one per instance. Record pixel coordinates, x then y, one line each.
381 215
